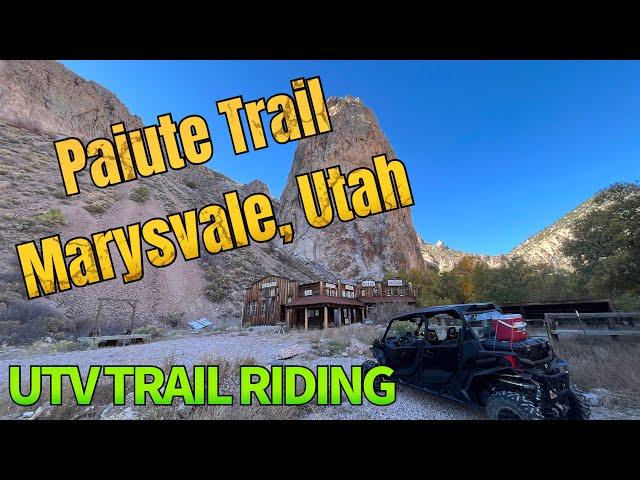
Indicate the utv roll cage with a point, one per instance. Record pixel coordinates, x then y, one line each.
457 310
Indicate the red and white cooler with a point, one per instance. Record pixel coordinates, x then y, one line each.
510 328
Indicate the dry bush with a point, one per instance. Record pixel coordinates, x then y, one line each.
383 312
51 218
336 340
24 322
140 194
603 362
45 222
69 410
229 383
96 208
172 319
150 329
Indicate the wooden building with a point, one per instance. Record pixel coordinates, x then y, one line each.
319 304
392 290
322 304
265 299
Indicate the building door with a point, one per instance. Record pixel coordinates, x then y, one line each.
336 317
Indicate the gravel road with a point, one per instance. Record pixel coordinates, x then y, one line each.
410 404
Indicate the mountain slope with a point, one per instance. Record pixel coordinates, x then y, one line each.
443 258
545 247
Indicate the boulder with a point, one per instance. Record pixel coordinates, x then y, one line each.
292 351
356 348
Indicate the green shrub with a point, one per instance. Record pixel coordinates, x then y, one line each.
218 283
627 302
51 218
96 208
153 330
140 194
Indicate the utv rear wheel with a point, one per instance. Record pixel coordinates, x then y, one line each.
506 405
377 383
578 405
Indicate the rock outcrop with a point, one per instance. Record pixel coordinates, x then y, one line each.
47 96
368 247
443 258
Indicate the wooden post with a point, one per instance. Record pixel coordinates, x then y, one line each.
306 319
133 314
326 317
96 326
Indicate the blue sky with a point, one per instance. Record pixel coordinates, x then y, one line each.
495 151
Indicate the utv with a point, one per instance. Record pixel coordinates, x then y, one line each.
455 351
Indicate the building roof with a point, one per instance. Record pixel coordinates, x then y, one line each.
323 299
389 299
262 279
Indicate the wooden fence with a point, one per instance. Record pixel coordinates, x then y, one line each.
613 324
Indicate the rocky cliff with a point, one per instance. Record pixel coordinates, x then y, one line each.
368 247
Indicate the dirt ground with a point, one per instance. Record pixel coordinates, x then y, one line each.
262 345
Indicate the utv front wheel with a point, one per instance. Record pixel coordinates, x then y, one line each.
578 405
505 405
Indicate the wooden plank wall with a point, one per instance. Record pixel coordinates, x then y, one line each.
286 290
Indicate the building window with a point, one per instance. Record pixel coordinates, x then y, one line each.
401 292
263 309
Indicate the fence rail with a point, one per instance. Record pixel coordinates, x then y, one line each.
613 324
